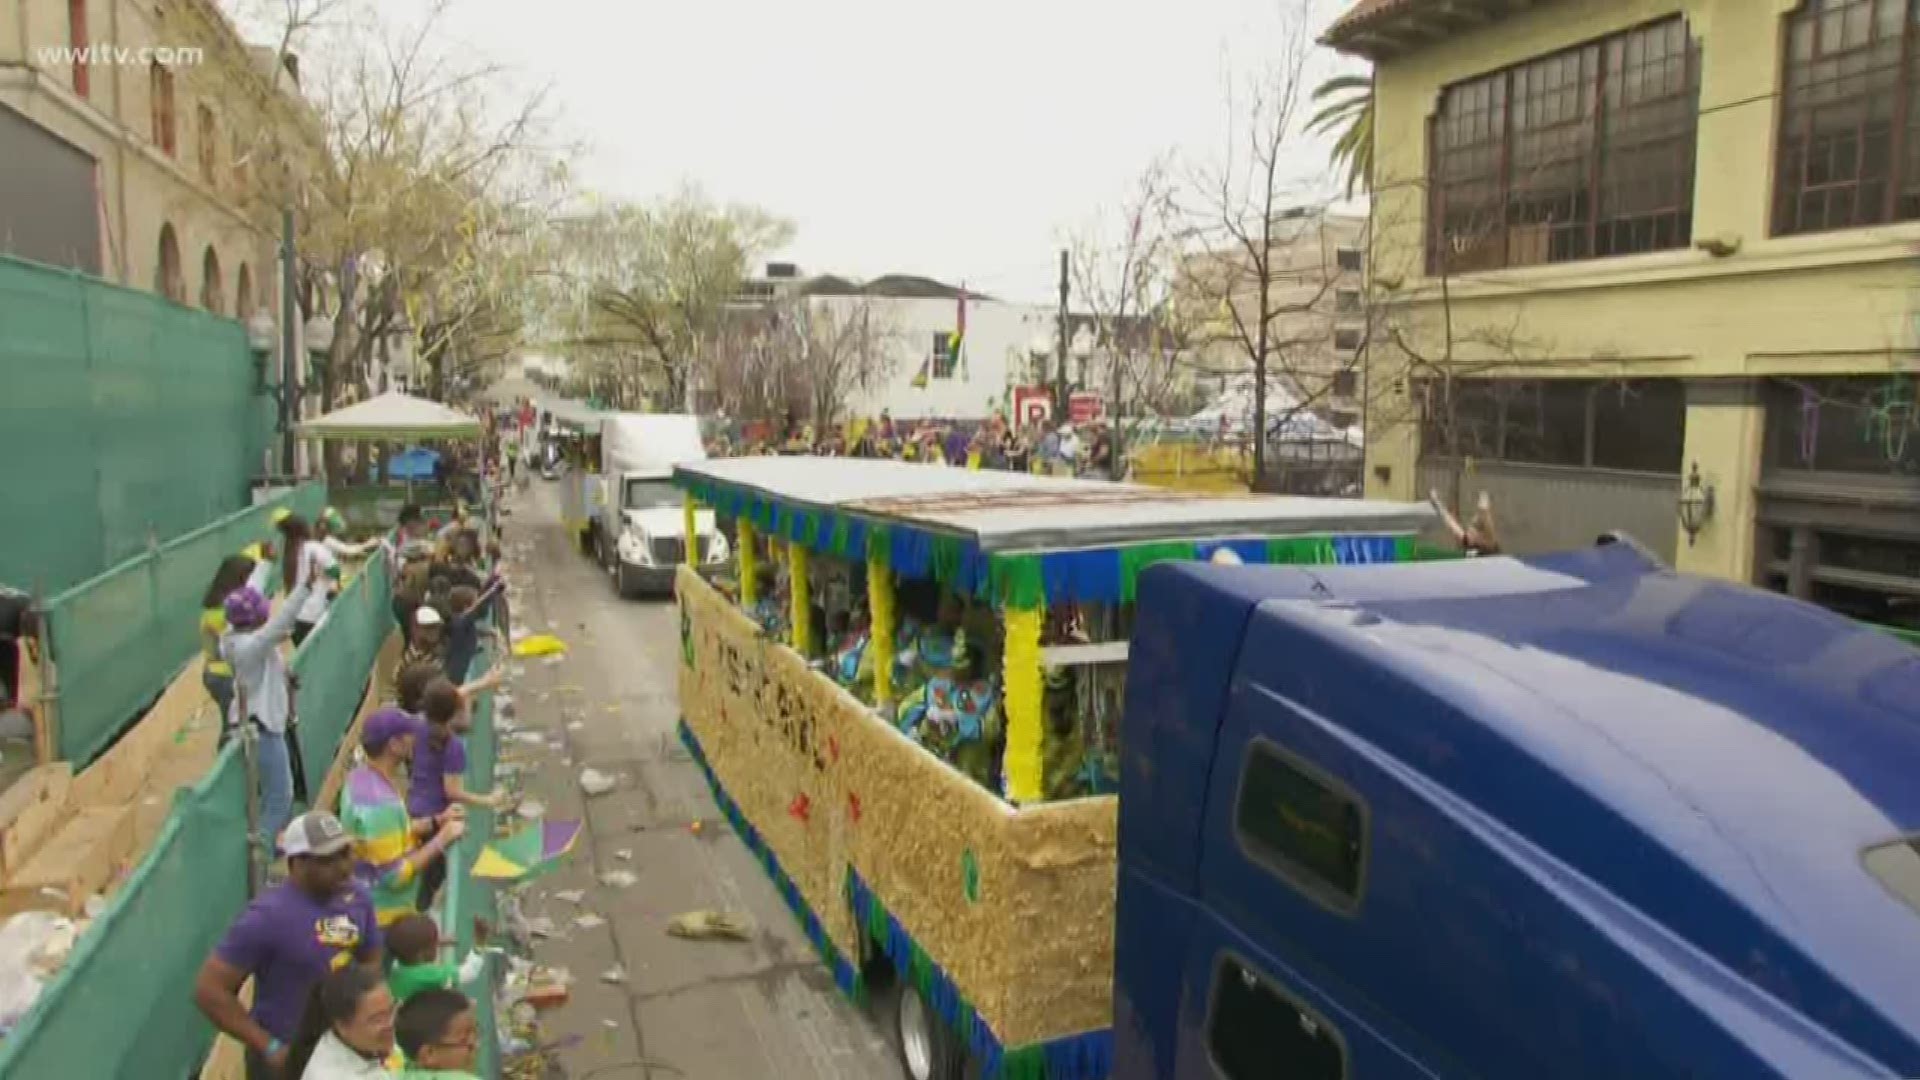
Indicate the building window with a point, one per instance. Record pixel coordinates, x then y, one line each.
1849 126
945 356
1347 259
1346 340
209 141
212 285
243 293
168 281
1635 425
1849 423
242 165
1255 1031
160 90
1300 826
78 37
1346 301
1346 383
1583 154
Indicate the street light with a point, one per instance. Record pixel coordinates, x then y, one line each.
260 342
1696 504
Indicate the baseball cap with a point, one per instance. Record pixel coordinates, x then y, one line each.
384 726
280 515
427 616
315 832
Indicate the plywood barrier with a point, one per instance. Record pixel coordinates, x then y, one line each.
1015 906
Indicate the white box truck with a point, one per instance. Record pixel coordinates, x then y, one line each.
642 519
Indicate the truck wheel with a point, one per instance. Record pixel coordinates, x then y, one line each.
929 1050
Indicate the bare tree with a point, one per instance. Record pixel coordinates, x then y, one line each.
657 281
844 347
1126 285
1241 269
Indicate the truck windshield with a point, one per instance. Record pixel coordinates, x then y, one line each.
650 494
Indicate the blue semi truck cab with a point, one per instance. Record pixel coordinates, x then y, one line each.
1566 817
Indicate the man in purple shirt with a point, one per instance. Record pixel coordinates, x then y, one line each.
317 921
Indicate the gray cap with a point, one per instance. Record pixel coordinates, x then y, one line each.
315 832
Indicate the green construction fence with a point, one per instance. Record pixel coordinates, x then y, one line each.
123 1005
467 899
124 417
117 640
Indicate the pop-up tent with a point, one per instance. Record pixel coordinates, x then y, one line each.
393 416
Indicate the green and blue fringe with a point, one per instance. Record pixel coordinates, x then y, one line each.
1027 580
1087 1056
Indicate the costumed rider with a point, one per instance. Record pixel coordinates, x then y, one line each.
770 603
851 664
953 714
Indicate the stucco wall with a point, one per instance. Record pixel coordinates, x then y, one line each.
998 336
141 188
1830 303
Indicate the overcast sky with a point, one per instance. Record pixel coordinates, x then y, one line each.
962 141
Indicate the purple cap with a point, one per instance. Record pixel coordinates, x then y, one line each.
384 726
246 608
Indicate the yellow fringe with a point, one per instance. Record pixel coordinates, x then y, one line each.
692 545
802 604
1024 706
749 556
880 601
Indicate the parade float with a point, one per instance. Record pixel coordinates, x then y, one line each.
985 880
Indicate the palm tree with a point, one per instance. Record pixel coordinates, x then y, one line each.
1346 108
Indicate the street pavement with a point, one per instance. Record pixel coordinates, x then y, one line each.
644 1004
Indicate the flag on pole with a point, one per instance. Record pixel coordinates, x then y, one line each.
959 336
528 853
920 377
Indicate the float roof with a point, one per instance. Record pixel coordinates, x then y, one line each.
1006 511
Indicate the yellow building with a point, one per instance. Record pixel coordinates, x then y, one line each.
142 139
1622 242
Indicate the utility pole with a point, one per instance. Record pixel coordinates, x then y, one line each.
1061 412
289 363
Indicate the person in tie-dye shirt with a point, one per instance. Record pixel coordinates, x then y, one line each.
387 842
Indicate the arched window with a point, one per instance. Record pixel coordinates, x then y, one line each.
211 285
209 144
160 93
78 37
167 279
243 293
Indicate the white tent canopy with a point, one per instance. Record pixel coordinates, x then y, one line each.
393 416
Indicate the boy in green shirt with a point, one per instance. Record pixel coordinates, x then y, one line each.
440 1035
414 943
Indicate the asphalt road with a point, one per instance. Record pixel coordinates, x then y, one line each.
764 1008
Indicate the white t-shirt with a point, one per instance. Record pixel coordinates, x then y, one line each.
325 563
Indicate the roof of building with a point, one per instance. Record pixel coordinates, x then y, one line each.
1378 29
888 286
1008 511
1713 756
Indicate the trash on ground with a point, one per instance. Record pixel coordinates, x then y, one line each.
624 854
619 879
571 896
711 926
531 808
588 921
539 645
595 782
615 974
